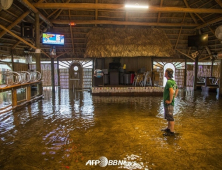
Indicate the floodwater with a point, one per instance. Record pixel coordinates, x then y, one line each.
73 130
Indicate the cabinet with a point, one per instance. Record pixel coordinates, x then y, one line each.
114 78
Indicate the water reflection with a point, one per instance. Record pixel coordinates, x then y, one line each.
68 128
5 99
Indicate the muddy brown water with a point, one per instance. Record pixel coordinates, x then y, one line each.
73 130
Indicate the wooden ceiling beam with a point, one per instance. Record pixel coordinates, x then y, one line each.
73 6
30 6
209 23
192 16
15 23
62 54
185 54
16 36
40 1
16 44
194 3
130 16
178 38
70 27
208 50
205 3
57 15
49 15
60 11
86 27
19 38
219 2
5 52
6 20
159 13
11 13
204 58
96 11
88 22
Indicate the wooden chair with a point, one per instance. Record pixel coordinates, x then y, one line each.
138 80
147 78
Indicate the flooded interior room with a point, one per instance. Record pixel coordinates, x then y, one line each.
110 84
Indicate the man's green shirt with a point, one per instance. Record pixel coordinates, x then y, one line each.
166 94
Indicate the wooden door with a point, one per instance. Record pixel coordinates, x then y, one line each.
75 76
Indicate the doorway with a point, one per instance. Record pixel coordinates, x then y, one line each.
168 65
75 76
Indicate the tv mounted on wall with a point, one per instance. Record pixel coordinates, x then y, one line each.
198 40
52 39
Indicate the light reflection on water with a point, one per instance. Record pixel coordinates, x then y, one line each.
66 129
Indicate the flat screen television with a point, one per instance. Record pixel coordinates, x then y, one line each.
52 39
198 40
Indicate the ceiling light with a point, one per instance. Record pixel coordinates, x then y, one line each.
137 6
72 23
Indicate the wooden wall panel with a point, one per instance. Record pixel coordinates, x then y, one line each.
107 61
145 62
132 63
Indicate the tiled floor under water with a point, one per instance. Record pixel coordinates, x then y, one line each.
73 130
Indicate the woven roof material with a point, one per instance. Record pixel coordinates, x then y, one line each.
128 42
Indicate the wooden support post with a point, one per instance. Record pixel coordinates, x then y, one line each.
195 75
52 75
12 58
38 55
212 66
93 72
185 73
152 73
220 81
14 97
58 72
28 93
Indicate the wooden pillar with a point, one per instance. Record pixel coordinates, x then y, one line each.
38 55
14 97
220 81
12 58
95 63
28 93
58 72
152 79
185 73
195 74
212 65
103 63
93 72
52 75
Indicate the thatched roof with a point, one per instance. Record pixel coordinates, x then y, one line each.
128 42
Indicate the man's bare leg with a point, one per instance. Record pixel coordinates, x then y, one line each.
171 126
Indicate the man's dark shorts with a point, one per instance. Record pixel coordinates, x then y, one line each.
168 113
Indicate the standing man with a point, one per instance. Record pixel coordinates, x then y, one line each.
170 92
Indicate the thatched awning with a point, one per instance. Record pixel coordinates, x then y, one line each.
128 42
